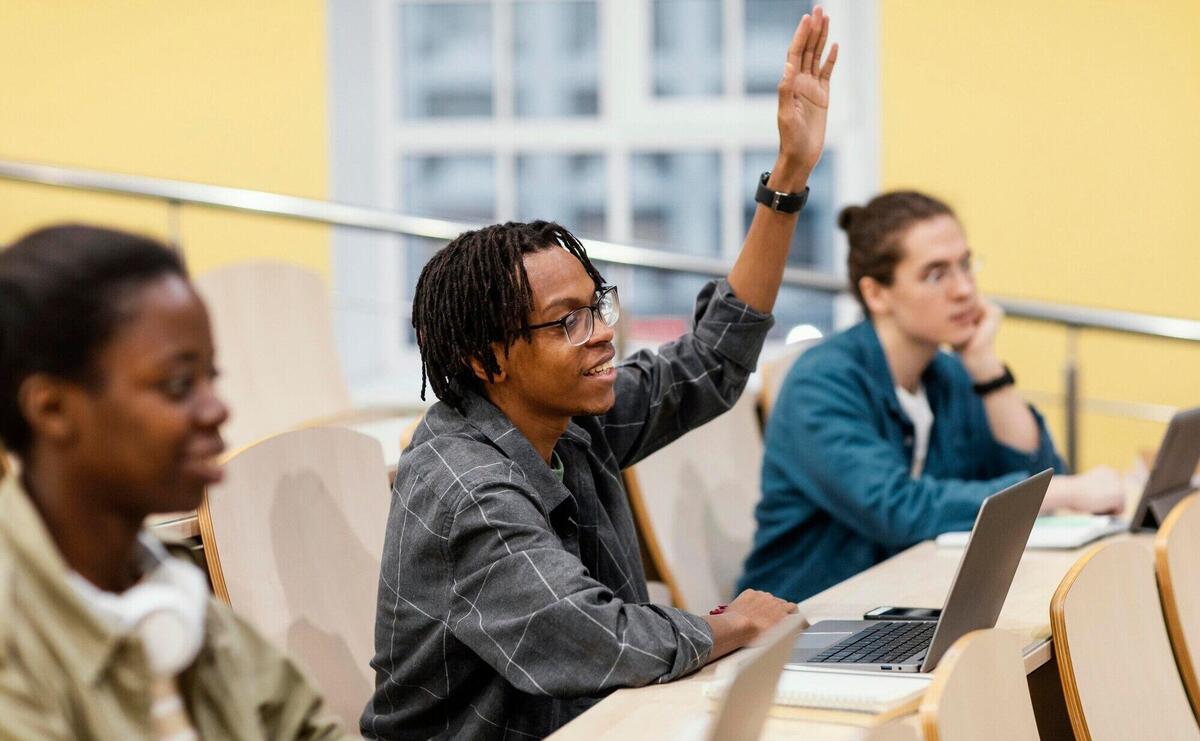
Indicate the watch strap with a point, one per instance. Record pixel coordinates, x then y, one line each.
786 203
987 387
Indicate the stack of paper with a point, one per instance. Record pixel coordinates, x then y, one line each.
1055 531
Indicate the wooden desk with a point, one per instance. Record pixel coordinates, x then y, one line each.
918 577
175 525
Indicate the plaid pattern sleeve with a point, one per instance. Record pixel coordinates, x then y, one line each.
509 601
530 609
661 395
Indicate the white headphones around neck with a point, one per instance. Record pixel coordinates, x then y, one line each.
165 610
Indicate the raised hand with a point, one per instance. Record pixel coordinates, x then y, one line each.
804 97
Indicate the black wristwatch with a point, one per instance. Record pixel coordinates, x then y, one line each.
987 387
784 203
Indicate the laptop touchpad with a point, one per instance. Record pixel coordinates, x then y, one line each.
818 640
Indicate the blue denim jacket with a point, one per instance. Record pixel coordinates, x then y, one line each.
837 496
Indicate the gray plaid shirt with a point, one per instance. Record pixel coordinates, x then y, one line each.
509 603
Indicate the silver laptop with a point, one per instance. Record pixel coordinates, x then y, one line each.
1174 466
1170 480
976 596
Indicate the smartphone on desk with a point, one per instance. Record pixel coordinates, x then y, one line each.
904 613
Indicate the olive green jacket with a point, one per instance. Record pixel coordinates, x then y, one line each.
64 674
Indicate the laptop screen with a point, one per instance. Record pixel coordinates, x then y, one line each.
988 563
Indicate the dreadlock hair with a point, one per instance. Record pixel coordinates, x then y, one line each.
474 292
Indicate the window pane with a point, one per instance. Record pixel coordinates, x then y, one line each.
676 207
797 306
677 201
688 49
658 306
567 188
556 58
445 74
458 187
769 28
812 245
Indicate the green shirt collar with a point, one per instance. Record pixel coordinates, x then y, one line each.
556 466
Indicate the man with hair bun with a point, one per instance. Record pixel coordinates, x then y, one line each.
511 594
879 439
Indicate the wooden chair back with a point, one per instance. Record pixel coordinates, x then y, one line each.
773 372
273 327
979 692
293 538
1119 676
694 505
1177 562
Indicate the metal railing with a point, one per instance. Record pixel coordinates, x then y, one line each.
175 193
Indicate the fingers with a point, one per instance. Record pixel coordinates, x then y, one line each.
827 68
796 48
808 46
812 33
822 22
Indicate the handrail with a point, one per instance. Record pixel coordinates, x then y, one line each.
176 192
325 212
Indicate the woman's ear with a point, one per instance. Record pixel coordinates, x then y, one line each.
43 402
876 295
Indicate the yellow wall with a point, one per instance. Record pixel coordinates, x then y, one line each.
226 92
1065 133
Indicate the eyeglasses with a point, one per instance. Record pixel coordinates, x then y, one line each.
937 276
580 323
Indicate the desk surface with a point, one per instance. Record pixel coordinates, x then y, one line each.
918 577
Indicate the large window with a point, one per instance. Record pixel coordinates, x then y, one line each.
638 121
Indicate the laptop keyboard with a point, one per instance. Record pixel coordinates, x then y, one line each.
886 643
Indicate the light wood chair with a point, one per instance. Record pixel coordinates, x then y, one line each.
896 730
694 505
773 372
273 327
979 692
1177 561
1119 676
293 538
406 435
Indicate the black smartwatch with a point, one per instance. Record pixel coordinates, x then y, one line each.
784 203
987 387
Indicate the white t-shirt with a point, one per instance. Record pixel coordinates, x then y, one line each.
916 406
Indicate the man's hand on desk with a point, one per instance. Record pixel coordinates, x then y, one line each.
1100 491
742 621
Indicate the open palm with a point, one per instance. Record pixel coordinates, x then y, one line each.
804 91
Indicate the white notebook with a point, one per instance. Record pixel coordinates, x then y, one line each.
865 692
833 689
1055 531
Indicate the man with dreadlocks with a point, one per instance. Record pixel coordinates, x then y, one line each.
511 594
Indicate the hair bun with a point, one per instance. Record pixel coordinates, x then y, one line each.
848 216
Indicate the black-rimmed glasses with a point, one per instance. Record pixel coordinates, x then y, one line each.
579 324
